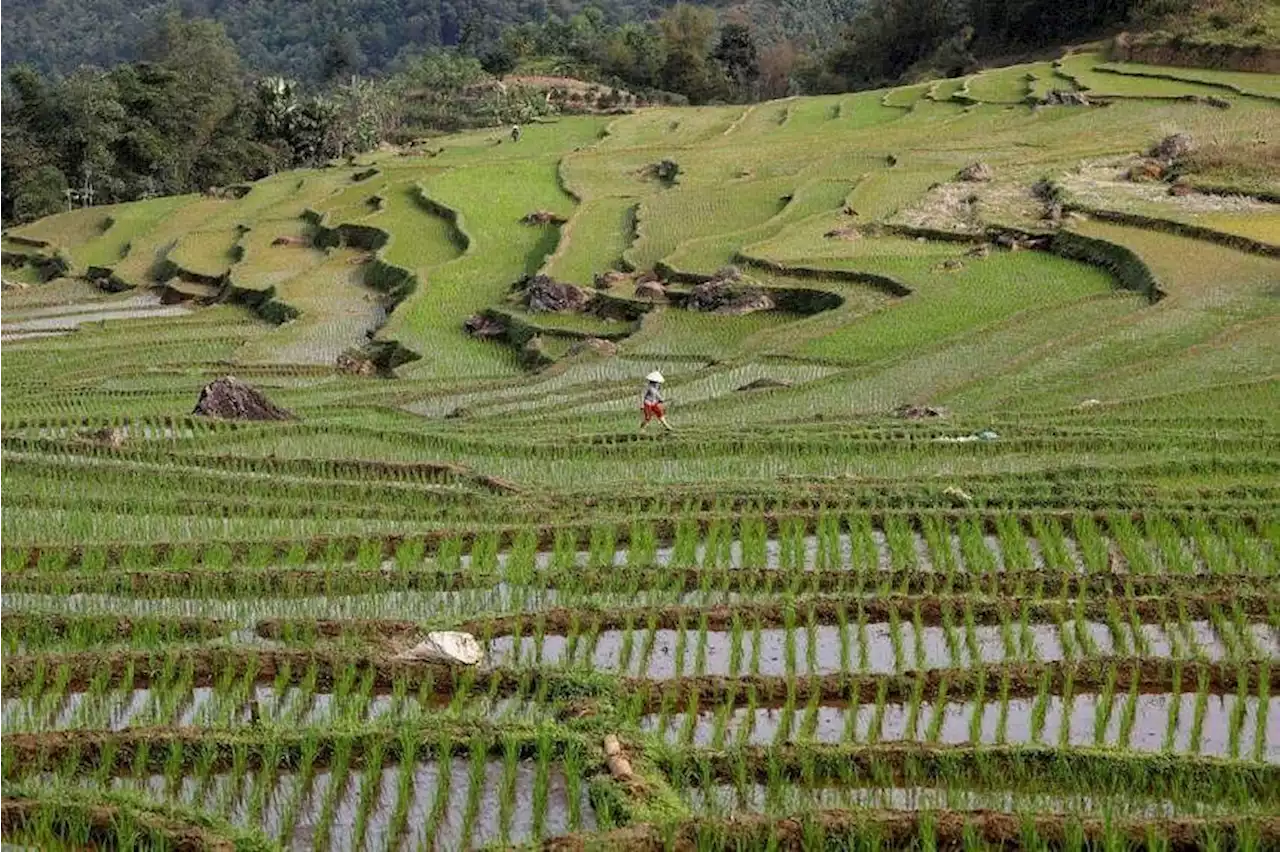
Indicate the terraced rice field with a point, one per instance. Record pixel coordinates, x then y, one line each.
1044 617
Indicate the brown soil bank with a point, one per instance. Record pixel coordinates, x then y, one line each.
1259 59
903 830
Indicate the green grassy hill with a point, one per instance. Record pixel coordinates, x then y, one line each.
893 282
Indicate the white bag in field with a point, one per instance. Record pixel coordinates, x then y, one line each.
446 646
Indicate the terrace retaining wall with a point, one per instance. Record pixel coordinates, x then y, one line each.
1189 54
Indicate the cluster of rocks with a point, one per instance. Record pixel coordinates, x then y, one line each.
1065 97
543 217
729 293
1017 242
1160 161
666 171
976 173
919 412
650 287
543 294
1173 147
484 327
356 364
609 280
594 346
849 232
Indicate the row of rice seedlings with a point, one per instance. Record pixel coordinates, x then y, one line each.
238 695
27 633
828 540
338 797
834 819
853 644
1241 725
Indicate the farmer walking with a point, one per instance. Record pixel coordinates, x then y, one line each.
652 403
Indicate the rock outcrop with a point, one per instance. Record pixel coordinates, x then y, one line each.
229 398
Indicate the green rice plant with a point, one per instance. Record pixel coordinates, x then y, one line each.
895 641
1235 722
949 635
602 547
681 647
978 558
918 635
934 730
754 537
477 768
1089 541
1068 702
1197 719
1039 709
1013 544
876 727
721 717
829 551
1026 638
864 646
1264 697
865 554
791 533
913 708
1002 721
979 703
937 536
1129 716
449 554
684 552
1105 705
902 543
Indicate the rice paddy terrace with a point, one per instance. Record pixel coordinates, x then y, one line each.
1038 611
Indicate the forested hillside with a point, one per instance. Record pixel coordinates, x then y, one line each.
304 38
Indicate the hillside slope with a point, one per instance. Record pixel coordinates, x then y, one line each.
958 243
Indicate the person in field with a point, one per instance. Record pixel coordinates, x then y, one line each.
651 404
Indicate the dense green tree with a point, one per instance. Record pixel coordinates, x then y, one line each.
499 61
182 120
737 55
39 193
636 54
342 57
687 31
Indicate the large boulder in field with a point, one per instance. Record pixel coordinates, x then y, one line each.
542 293
484 327
229 398
445 646
728 293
